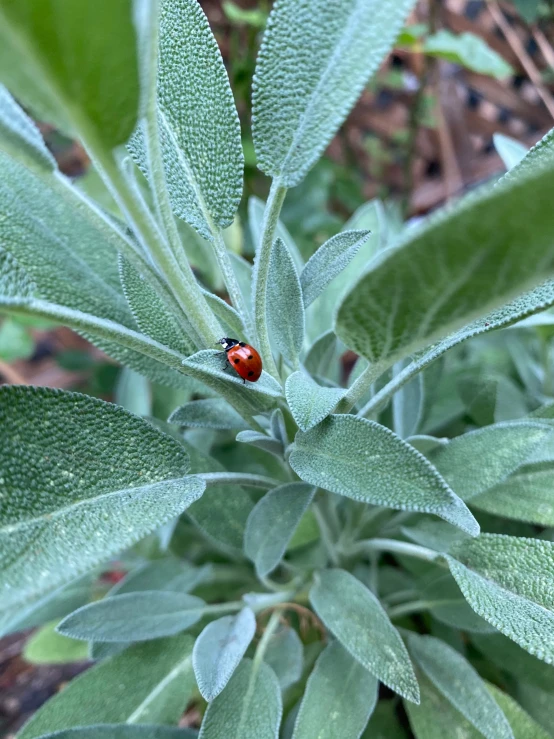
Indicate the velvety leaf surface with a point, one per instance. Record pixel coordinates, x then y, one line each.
310 403
339 698
19 136
347 43
131 617
272 523
122 731
357 619
212 413
285 308
328 262
75 65
509 581
47 647
365 461
509 150
446 272
169 573
152 316
528 495
478 460
219 649
81 479
522 725
249 708
468 50
285 656
435 717
256 209
460 683
262 441
148 683
198 121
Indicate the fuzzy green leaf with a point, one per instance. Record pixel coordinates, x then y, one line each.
149 614
523 726
198 122
249 708
408 404
162 574
528 495
510 151
262 441
148 683
339 699
81 479
357 619
19 136
219 649
508 656
122 731
256 210
299 99
272 523
211 413
149 311
75 65
328 262
436 717
310 403
365 461
459 682
458 265
509 582
222 514
285 309
285 656
47 647
468 50
477 461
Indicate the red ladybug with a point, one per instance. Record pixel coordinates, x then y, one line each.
243 358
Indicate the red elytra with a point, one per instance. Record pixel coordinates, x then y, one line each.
243 358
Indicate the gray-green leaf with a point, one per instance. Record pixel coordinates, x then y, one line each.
211 413
123 731
20 137
81 479
140 616
528 495
249 708
460 683
477 461
457 266
148 683
509 150
310 403
150 313
357 619
219 649
509 582
339 699
75 65
301 99
365 461
285 308
198 122
272 523
328 262
262 441
285 656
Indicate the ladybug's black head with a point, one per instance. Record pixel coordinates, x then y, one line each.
227 343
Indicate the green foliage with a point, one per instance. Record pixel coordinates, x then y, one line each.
262 518
469 51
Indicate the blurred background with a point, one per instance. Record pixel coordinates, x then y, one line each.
468 82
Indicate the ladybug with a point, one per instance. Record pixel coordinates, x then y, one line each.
243 358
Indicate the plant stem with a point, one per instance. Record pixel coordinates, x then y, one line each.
361 386
187 292
261 649
261 272
326 537
232 285
415 606
395 547
381 398
239 478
